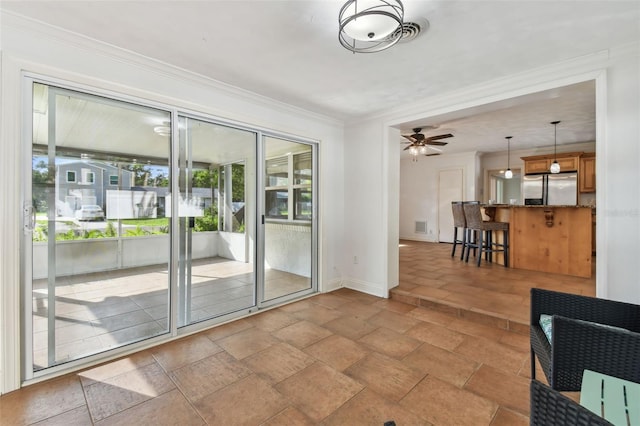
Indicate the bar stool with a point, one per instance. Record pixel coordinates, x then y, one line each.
459 222
484 242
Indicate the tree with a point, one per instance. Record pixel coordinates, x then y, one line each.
40 182
141 173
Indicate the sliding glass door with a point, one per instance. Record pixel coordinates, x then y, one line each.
144 222
97 232
289 255
217 220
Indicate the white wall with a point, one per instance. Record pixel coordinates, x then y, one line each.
618 179
364 248
34 48
419 191
287 248
617 74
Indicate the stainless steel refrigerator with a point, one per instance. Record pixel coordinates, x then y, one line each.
550 189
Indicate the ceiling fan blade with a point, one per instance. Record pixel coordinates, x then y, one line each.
407 147
437 143
409 137
435 138
430 155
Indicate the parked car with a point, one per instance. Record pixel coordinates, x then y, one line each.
90 212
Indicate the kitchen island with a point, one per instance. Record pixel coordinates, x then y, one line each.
553 239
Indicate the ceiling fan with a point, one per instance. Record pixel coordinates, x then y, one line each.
419 144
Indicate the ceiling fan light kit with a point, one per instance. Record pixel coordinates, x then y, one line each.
555 167
368 26
508 174
419 144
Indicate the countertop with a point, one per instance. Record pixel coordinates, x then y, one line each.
537 206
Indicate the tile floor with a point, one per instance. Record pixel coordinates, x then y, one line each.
101 311
342 358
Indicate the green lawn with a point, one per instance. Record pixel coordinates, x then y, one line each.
161 221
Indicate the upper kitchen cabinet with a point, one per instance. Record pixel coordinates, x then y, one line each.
569 162
587 172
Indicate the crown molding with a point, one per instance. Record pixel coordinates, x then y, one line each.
542 78
77 41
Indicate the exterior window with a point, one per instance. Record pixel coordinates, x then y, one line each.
302 186
71 176
277 204
278 172
113 180
289 179
88 177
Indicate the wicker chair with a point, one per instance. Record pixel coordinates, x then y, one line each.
578 343
551 408
459 222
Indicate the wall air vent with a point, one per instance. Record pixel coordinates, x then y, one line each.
421 227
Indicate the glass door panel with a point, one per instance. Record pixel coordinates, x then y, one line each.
95 225
288 228
217 220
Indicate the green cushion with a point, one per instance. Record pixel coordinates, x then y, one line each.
546 324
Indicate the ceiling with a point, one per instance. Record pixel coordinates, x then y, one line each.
289 51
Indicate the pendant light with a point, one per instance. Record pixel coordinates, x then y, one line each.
555 167
508 174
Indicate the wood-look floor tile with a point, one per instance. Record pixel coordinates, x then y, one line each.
249 401
119 393
337 351
389 342
369 408
386 376
516 341
170 408
115 368
289 417
317 314
184 351
351 327
492 353
506 417
393 306
392 320
208 375
247 342
442 403
436 335
41 401
479 329
79 416
329 300
318 390
296 306
278 362
432 316
508 390
443 364
302 334
272 320
226 330
360 310
356 296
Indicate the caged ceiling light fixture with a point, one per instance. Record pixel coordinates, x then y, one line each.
368 26
508 174
555 167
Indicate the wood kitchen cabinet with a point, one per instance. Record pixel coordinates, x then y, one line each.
587 173
568 161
